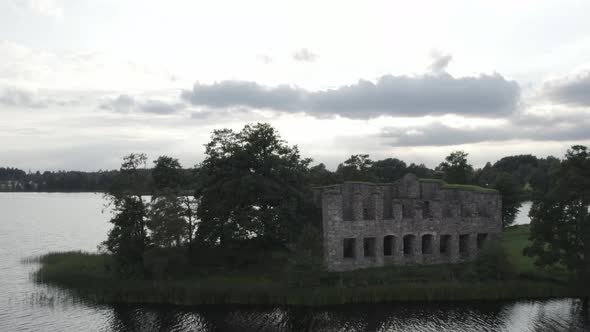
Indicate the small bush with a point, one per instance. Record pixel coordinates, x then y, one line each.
493 263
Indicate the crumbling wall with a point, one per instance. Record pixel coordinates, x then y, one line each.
410 221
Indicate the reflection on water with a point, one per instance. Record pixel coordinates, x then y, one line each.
555 315
32 224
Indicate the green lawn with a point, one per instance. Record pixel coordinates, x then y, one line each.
514 240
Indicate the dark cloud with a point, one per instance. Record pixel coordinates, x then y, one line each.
484 95
573 91
304 55
125 104
246 94
440 63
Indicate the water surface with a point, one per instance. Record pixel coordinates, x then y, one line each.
35 223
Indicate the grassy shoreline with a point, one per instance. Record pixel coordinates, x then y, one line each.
87 276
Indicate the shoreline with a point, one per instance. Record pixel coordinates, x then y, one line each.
88 277
208 292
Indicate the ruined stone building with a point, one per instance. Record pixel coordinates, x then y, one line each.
410 221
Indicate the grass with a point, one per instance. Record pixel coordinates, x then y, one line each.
514 240
469 187
90 276
443 184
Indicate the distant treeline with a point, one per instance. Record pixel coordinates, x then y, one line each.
527 170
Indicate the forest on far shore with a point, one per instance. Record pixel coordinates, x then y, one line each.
526 171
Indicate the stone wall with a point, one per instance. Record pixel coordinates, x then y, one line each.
410 221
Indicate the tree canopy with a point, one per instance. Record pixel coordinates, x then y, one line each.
251 184
560 219
456 169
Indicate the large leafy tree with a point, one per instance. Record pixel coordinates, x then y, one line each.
560 219
128 238
456 169
252 184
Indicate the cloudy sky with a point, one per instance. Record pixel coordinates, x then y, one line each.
83 82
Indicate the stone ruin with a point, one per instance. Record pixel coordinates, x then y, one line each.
410 221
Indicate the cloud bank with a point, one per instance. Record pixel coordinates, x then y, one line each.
412 96
439 134
125 104
572 91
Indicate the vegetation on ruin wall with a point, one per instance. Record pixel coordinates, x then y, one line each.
469 187
442 183
513 276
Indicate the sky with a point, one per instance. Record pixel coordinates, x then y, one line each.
83 83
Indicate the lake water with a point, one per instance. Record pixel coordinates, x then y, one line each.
522 217
35 223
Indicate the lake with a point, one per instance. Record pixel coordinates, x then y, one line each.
35 223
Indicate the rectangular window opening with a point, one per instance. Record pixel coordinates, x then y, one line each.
427 244
445 244
409 244
369 246
388 245
426 210
464 245
349 248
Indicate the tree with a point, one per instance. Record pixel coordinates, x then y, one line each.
509 189
456 168
560 219
167 173
166 220
128 238
389 170
486 176
520 166
251 185
356 168
189 206
172 219
319 175
421 171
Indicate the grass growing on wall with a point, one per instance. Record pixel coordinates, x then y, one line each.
90 277
468 187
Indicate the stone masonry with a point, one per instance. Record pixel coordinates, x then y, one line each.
410 221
